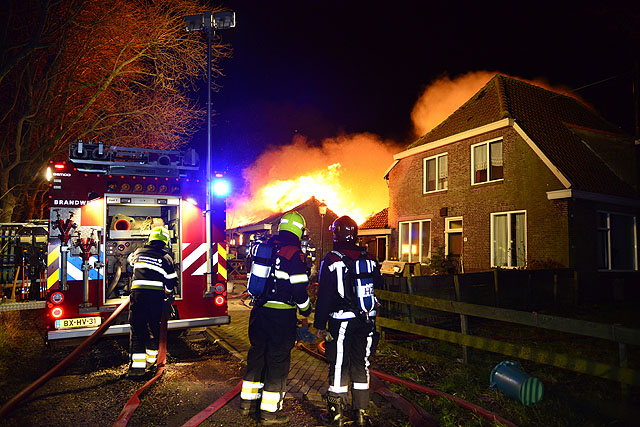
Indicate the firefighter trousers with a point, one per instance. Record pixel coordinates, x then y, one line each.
145 312
354 341
272 334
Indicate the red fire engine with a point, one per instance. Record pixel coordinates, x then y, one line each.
103 203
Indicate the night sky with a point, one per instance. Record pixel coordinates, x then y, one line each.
321 68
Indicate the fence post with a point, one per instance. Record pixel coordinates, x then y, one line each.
623 359
496 289
407 274
463 319
576 297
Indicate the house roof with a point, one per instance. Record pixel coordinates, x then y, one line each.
274 219
549 120
378 220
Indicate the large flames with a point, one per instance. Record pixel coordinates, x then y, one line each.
346 171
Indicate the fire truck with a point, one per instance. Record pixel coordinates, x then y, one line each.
103 203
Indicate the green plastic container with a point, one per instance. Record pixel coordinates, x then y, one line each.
510 379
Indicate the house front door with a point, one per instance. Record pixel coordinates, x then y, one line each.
453 239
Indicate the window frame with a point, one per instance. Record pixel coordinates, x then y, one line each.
608 229
509 249
488 153
424 173
420 243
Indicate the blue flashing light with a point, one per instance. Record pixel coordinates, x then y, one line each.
220 187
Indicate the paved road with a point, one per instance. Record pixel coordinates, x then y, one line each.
307 376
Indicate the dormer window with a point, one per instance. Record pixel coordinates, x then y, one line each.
435 173
487 162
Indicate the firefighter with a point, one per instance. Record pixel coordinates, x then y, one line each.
351 338
272 324
154 275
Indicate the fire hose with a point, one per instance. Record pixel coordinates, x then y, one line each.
65 362
417 415
209 410
424 389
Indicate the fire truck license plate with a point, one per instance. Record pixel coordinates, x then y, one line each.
79 322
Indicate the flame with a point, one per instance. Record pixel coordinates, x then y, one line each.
346 172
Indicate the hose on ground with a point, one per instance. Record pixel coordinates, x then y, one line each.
65 362
209 410
484 413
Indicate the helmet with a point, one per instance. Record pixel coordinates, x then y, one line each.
344 229
159 234
293 222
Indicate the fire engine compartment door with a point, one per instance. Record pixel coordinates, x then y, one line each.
129 219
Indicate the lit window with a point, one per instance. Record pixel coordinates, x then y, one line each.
617 242
508 239
415 241
486 161
436 174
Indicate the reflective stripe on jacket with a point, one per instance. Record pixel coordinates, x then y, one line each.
153 269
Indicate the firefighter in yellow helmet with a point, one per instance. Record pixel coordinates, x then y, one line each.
272 323
153 275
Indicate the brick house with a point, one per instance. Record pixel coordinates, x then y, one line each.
518 177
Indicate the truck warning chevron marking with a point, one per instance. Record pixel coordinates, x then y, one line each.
53 273
222 262
193 256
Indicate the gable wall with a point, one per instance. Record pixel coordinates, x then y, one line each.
526 181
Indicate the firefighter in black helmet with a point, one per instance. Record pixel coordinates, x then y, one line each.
153 275
346 302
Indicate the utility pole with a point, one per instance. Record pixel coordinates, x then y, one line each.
209 22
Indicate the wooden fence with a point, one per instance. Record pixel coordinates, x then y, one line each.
621 335
528 290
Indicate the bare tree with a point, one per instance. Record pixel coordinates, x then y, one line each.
118 71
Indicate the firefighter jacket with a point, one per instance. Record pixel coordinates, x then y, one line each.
335 297
287 288
153 269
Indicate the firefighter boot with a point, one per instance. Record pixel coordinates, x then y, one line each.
335 409
137 366
361 417
267 418
151 360
249 407
136 373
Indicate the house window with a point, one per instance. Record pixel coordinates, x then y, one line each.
617 242
436 174
415 241
486 161
509 239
